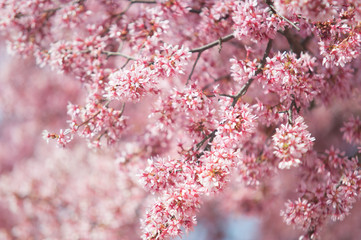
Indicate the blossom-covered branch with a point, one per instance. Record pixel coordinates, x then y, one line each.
251 132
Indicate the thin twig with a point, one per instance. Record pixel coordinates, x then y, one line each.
269 3
194 66
212 136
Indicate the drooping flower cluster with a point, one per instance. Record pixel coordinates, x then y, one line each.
217 166
94 123
162 174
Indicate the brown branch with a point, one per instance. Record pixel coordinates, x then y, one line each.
198 11
125 64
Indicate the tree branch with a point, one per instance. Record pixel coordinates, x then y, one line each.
212 44
210 136
269 3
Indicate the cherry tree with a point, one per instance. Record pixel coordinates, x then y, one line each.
133 119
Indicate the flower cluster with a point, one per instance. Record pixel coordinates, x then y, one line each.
81 57
215 20
141 78
314 10
189 108
131 84
170 213
243 70
288 75
162 174
291 142
146 30
174 7
170 60
92 122
333 186
217 165
340 41
237 123
298 213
